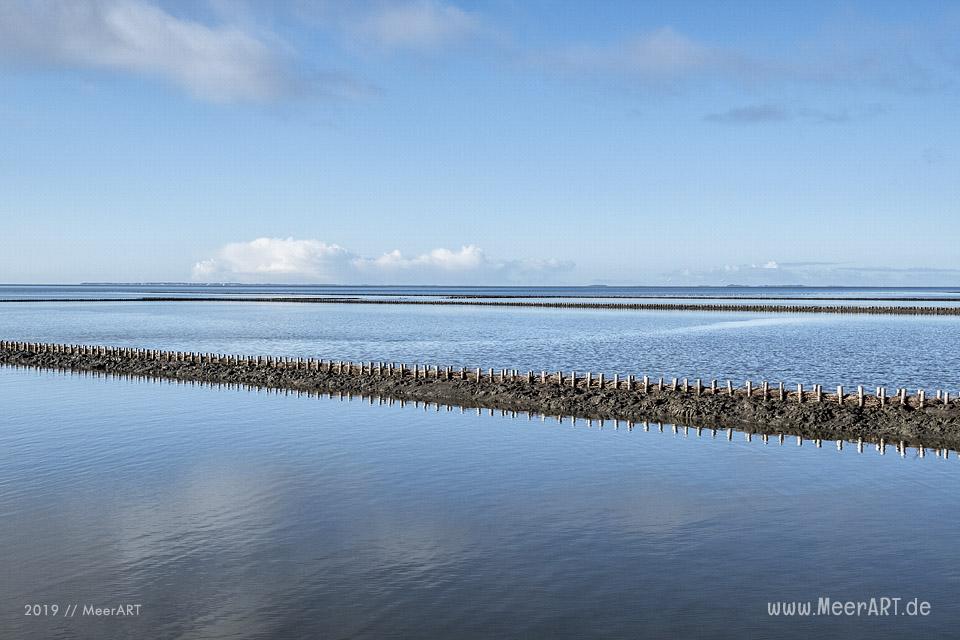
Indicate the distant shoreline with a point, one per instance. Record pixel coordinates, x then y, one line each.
741 291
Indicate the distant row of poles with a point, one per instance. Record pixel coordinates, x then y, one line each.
626 306
878 397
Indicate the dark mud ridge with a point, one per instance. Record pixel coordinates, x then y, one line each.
611 306
844 414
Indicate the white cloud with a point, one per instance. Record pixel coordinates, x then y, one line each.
467 258
418 25
290 260
217 63
666 51
276 259
659 57
656 54
665 57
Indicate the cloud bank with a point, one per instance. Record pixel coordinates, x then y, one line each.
421 25
233 58
848 58
215 63
660 54
231 61
395 26
288 260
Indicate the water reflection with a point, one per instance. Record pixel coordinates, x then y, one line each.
260 514
879 445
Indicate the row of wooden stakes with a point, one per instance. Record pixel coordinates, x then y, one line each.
881 444
588 380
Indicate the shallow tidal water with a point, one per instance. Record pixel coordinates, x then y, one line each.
892 351
233 514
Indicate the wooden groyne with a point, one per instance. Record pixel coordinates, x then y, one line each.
617 306
879 415
674 296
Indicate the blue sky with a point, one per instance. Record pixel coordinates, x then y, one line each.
421 141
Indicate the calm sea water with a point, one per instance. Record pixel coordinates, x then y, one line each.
232 514
894 351
828 296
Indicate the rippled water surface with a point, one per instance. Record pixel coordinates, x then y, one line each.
234 514
894 351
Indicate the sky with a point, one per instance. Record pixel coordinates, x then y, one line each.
503 142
